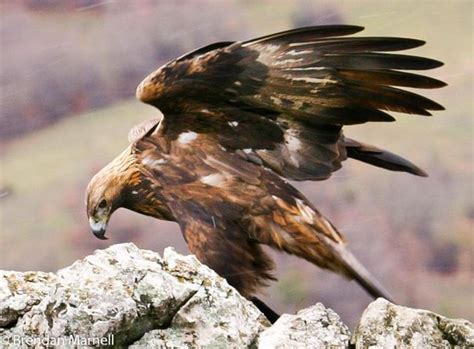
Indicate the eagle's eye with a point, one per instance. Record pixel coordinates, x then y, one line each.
102 204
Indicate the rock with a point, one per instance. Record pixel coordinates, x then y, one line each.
20 291
134 298
127 295
386 325
215 317
314 327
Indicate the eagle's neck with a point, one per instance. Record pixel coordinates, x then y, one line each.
144 196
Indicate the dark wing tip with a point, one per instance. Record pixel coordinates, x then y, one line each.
438 107
439 83
432 83
404 43
428 104
204 49
416 42
319 31
346 28
409 167
420 172
435 63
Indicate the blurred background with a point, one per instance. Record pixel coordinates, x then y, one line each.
69 70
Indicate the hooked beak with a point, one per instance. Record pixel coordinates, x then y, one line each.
98 228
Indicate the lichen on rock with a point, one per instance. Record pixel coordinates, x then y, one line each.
139 299
216 316
313 327
386 325
126 292
21 291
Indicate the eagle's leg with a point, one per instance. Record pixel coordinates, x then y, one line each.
266 310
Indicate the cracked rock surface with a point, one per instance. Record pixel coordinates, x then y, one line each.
313 327
143 300
132 294
386 325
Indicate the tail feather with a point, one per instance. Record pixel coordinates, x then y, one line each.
355 270
381 158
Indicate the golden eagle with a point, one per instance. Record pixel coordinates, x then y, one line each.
242 118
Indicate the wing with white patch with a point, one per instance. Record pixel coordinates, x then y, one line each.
282 100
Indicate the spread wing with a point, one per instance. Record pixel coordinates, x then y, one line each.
281 100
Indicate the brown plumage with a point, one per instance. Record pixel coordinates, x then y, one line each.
241 118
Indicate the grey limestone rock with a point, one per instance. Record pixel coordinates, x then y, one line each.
20 291
134 298
386 325
124 293
313 327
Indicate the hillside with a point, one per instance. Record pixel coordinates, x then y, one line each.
418 228
414 234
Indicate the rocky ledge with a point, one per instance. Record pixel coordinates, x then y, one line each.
127 297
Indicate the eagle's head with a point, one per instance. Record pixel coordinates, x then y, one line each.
106 191
122 183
